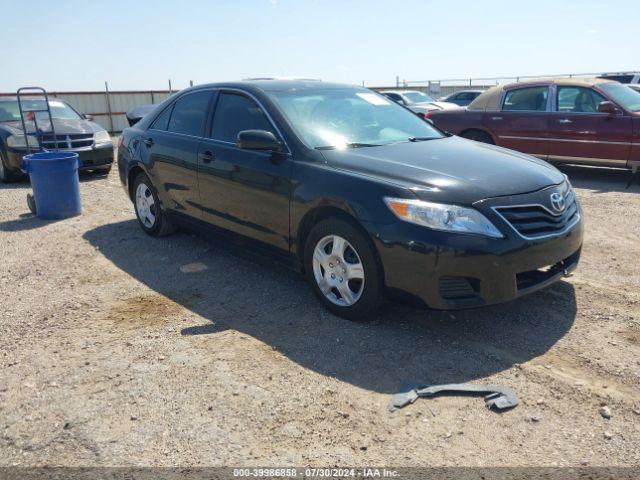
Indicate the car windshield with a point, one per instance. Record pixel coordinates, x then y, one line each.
623 95
350 118
417 97
10 112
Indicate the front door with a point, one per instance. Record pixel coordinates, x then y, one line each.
245 191
523 121
171 150
578 133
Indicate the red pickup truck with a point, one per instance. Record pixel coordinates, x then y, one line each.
568 120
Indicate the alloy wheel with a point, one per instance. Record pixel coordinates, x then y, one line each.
145 205
338 270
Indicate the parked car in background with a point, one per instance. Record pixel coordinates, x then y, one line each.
362 195
626 77
568 120
417 101
462 97
75 132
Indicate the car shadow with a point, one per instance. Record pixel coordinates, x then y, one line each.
600 179
274 305
25 221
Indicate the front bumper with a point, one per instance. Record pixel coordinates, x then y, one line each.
90 158
452 271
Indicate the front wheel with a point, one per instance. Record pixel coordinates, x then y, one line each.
151 216
342 267
6 174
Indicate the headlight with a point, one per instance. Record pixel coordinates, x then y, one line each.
449 218
101 137
17 141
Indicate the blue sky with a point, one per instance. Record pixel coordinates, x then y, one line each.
139 44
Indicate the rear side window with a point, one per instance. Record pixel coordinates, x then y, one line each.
162 122
189 114
578 99
526 99
236 113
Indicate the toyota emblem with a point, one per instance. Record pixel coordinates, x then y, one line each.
557 202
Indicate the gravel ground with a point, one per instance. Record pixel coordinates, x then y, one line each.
118 350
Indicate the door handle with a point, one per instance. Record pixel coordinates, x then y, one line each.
206 157
564 120
148 142
496 118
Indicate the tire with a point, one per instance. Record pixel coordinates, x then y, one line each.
151 216
6 174
478 136
351 257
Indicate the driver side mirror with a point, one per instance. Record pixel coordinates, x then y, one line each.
258 140
608 107
88 117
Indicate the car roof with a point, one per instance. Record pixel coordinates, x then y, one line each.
490 99
277 85
13 98
571 81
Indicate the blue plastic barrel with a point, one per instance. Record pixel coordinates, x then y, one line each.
54 179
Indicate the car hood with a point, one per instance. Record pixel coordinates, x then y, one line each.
62 127
451 169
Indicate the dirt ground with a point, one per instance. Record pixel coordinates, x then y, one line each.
115 353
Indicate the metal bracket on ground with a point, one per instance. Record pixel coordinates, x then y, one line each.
496 398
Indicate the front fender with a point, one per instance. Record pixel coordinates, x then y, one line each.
316 186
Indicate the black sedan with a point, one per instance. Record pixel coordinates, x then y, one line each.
462 97
359 193
74 132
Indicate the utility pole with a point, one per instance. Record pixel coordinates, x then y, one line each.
106 91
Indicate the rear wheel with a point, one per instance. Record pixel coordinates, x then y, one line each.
151 217
343 270
478 136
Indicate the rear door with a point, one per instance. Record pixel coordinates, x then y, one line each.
581 134
171 148
523 120
245 191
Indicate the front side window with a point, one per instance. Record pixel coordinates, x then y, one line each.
623 95
235 113
526 99
578 99
10 111
350 118
189 114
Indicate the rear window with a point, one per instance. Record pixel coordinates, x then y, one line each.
162 122
189 114
526 99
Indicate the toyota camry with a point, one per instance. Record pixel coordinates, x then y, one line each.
364 197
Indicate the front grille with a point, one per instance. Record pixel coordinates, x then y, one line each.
67 142
535 221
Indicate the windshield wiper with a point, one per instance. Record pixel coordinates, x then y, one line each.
421 139
349 145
